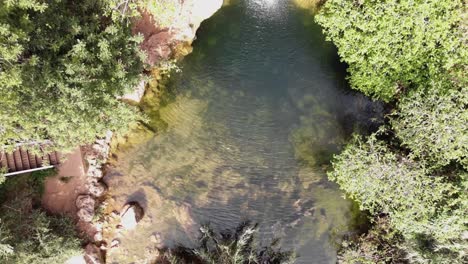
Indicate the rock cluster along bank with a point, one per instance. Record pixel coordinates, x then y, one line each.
172 39
90 221
95 157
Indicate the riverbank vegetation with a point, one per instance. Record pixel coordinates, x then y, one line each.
413 171
63 65
27 233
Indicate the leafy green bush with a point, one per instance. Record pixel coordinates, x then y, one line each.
423 205
433 123
28 235
393 45
38 238
412 52
62 66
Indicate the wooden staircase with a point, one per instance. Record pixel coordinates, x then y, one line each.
22 161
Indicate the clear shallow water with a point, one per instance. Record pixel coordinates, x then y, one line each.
252 121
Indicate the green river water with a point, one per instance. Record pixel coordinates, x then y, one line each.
251 124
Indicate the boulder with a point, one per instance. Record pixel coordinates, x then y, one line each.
130 215
163 35
136 95
85 201
96 188
85 214
95 173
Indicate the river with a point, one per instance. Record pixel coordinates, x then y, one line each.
249 127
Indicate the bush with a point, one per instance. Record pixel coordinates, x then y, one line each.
62 66
33 237
433 123
394 45
411 53
422 205
27 234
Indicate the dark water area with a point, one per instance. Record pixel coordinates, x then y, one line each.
256 114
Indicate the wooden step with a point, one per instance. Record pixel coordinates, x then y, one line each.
39 161
18 162
11 162
32 160
24 159
53 158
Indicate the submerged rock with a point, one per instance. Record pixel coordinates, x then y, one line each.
157 239
115 243
130 216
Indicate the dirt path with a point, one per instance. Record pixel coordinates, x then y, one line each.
61 191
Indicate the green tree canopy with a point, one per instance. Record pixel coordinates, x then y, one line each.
434 124
413 52
420 203
395 45
62 66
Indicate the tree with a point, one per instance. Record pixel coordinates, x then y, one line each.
412 53
433 123
27 234
423 205
62 66
38 238
395 45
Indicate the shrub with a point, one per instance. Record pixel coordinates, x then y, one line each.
422 205
39 238
62 66
395 44
29 235
433 123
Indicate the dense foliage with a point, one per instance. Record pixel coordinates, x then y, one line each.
240 246
414 170
420 204
434 125
27 234
62 66
381 244
394 45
